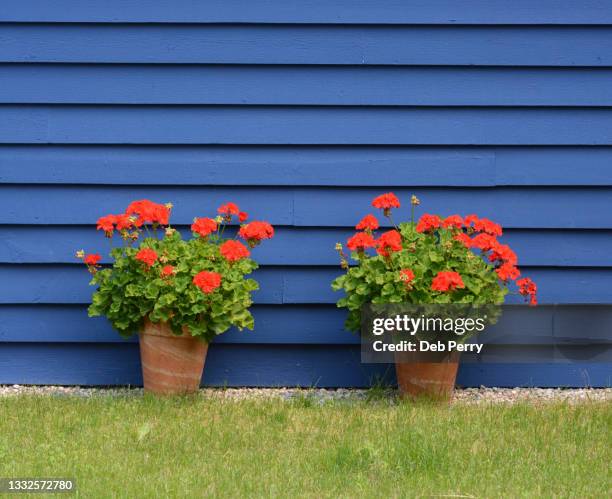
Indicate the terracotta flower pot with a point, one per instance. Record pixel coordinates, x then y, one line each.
427 375
171 364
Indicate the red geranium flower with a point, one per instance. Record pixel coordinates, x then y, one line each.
389 241
483 225
242 216
428 223
228 209
203 226
167 271
147 256
368 222
123 222
106 224
233 250
92 259
361 241
407 276
484 242
453 221
487 226
503 253
528 288
508 271
255 231
447 281
148 211
385 202
207 281
469 220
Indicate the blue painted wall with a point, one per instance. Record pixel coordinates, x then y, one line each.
301 112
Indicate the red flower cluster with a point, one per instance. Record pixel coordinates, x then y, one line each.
528 288
361 241
110 222
447 281
389 241
233 251
484 242
503 253
507 271
148 212
137 214
255 231
147 256
453 221
500 254
123 222
369 222
92 259
407 276
207 281
228 209
203 226
167 271
483 225
428 223
386 201
107 224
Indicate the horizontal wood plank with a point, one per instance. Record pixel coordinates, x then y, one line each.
553 325
513 207
303 85
80 124
303 246
266 365
308 44
305 165
308 12
287 324
68 284
537 354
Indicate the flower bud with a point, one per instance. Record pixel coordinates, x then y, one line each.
169 231
338 246
80 254
169 205
414 201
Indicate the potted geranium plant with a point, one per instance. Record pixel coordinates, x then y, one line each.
177 294
433 260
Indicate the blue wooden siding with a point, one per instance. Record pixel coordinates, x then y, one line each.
301 112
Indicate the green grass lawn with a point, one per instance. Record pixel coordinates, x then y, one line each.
145 447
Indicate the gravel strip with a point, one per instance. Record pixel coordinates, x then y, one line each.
535 395
464 396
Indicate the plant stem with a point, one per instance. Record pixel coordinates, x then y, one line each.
392 222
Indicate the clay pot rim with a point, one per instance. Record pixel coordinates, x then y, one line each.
161 328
